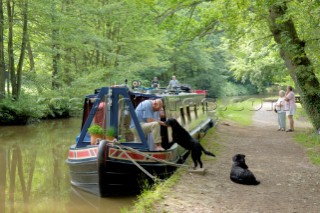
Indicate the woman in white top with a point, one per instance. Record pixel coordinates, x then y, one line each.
280 104
290 107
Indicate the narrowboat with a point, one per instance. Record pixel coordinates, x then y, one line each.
126 164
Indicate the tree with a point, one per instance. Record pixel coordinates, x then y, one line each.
2 63
292 51
15 73
238 19
55 32
285 21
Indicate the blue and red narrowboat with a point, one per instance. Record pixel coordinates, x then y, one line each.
126 164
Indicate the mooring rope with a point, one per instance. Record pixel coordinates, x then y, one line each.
135 163
151 157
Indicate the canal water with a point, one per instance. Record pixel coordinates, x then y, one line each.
34 176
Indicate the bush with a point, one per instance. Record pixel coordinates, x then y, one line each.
22 111
61 103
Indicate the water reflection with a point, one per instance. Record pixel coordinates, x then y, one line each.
81 201
37 178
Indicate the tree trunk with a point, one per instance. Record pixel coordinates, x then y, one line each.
67 63
2 63
30 55
11 65
55 48
23 46
298 64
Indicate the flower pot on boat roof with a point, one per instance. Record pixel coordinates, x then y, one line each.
96 132
110 133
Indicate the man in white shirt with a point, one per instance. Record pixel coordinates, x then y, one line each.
174 83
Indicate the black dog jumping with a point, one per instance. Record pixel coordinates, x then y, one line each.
240 172
184 139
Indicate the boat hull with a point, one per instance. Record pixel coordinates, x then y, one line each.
112 171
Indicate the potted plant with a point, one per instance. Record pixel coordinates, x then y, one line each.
95 131
110 133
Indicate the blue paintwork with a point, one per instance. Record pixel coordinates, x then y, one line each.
113 102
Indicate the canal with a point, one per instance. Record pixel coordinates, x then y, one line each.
34 176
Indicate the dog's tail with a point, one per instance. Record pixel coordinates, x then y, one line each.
207 152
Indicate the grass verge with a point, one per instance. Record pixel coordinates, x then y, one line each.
239 112
311 140
147 199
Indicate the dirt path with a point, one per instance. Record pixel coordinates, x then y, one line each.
289 183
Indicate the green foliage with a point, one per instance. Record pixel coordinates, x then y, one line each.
261 67
310 140
196 64
21 111
64 102
50 104
237 111
111 132
130 44
148 197
221 46
96 129
233 89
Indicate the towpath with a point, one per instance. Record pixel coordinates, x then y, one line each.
289 182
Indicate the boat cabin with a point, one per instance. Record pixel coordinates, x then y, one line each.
114 107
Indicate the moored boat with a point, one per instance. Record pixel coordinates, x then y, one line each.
126 164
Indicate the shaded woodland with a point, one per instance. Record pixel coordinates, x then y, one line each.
52 52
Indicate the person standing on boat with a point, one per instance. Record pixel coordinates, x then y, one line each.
155 83
174 84
148 114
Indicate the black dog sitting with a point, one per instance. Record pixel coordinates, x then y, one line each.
184 139
240 172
